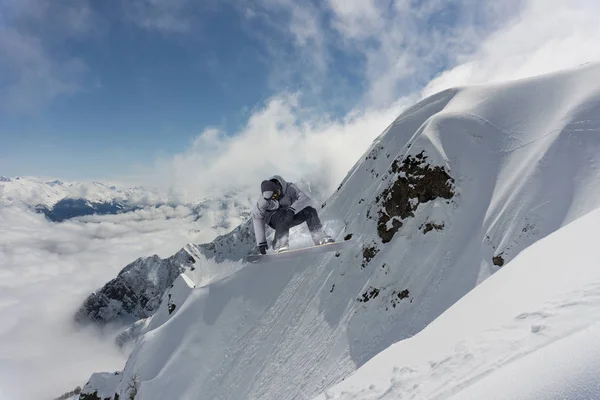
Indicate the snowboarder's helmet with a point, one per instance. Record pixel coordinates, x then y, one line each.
270 190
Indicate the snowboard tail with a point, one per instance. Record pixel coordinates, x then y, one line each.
323 248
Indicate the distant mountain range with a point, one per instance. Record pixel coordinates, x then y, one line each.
60 201
34 191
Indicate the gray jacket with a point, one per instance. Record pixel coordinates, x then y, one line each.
291 197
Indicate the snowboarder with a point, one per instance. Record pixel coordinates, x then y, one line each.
282 205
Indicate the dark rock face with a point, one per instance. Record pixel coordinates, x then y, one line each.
231 246
429 226
417 182
89 396
498 260
70 394
136 292
368 253
371 293
4 179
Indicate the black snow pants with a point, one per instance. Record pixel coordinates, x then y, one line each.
282 226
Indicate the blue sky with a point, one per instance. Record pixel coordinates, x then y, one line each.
142 91
90 89
109 84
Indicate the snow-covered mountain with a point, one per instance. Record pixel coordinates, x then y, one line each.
60 201
33 191
137 291
448 195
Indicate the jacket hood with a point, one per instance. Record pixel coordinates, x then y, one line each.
281 181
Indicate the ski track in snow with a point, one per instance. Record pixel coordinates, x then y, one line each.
474 360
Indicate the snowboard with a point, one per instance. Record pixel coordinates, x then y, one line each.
323 248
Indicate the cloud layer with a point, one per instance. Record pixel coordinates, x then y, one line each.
281 138
46 271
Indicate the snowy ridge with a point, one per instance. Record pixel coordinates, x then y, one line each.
453 190
137 291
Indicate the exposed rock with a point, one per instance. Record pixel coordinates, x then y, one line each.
171 306
371 293
498 260
429 226
417 182
398 296
234 245
368 253
70 394
137 291
90 396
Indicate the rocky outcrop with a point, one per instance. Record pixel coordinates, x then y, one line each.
137 291
416 182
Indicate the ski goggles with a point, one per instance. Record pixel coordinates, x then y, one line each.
269 195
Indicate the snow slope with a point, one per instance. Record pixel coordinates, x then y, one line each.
455 188
529 332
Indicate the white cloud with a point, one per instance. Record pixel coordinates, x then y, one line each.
546 36
404 43
392 48
46 271
32 74
357 19
294 46
165 16
281 138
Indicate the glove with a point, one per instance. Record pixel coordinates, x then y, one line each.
262 248
289 214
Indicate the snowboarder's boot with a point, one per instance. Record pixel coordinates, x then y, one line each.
319 237
326 239
281 244
281 248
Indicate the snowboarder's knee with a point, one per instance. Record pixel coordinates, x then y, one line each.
309 210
